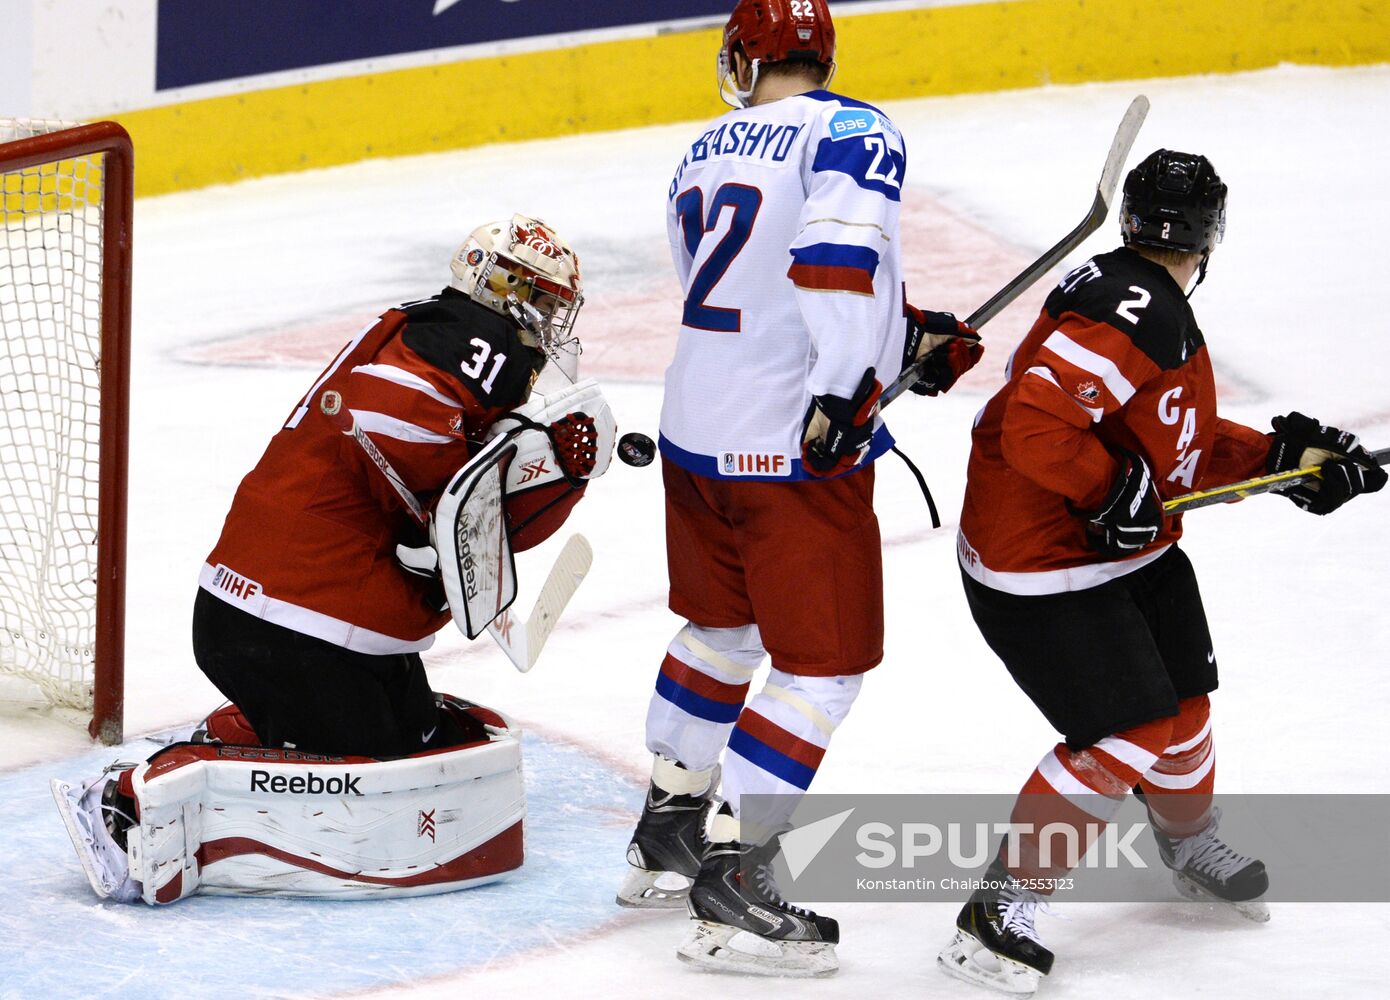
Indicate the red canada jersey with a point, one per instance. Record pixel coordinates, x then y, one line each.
310 540
1115 359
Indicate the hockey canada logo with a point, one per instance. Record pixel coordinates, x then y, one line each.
427 824
1088 392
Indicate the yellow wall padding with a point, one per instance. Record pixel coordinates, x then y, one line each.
670 77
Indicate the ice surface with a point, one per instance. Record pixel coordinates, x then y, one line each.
243 292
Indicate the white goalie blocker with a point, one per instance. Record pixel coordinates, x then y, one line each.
240 820
512 495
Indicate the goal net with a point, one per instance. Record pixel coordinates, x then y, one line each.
65 207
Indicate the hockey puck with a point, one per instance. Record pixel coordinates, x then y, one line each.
636 449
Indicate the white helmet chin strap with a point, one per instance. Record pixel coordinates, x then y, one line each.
728 86
735 98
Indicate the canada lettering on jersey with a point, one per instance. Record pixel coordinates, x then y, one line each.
1115 360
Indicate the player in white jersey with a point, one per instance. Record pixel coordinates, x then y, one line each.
783 221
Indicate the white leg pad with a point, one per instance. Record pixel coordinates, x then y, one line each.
231 820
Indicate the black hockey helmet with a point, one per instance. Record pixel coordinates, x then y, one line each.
1174 201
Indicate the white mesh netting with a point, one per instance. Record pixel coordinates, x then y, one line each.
50 322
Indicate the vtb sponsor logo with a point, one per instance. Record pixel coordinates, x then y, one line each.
305 784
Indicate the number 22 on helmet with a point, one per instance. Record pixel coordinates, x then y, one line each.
773 31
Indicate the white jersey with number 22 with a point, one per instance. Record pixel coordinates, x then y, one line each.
783 222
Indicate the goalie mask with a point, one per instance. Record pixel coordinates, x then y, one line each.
771 31
522 269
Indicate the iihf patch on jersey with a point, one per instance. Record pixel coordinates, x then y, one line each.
747 463
852 121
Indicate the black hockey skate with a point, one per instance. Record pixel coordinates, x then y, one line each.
996 944
1206 869
741 923
666 849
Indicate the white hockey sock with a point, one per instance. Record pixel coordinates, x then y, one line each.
700 691
781 737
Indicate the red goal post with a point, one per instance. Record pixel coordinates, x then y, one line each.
66 214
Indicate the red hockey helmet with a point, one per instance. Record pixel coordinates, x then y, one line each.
770 31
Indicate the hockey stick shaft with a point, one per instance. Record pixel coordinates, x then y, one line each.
1253 487
1100 208
331 405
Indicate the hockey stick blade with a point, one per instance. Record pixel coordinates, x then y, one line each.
1232 492
522 641
1100 208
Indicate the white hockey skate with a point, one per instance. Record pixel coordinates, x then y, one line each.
84 813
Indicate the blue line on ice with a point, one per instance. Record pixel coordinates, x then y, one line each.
60 940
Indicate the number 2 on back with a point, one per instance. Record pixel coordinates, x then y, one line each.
1127 307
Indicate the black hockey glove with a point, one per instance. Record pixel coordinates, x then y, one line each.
1131 515
836 433
1347 468
946 346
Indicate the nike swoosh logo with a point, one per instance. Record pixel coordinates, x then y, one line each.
426 737
1211 657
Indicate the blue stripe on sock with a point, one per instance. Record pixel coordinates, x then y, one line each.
773 761
696 704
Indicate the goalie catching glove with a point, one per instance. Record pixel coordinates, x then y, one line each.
566 439
1348 469
945 347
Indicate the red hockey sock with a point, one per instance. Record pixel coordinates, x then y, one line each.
1072 794
1178 788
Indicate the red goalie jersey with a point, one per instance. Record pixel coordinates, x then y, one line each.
310 540
1114 359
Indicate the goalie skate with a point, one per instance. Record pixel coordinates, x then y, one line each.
104 862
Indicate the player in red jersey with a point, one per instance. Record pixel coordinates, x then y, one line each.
305 617
314 604
1071 567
